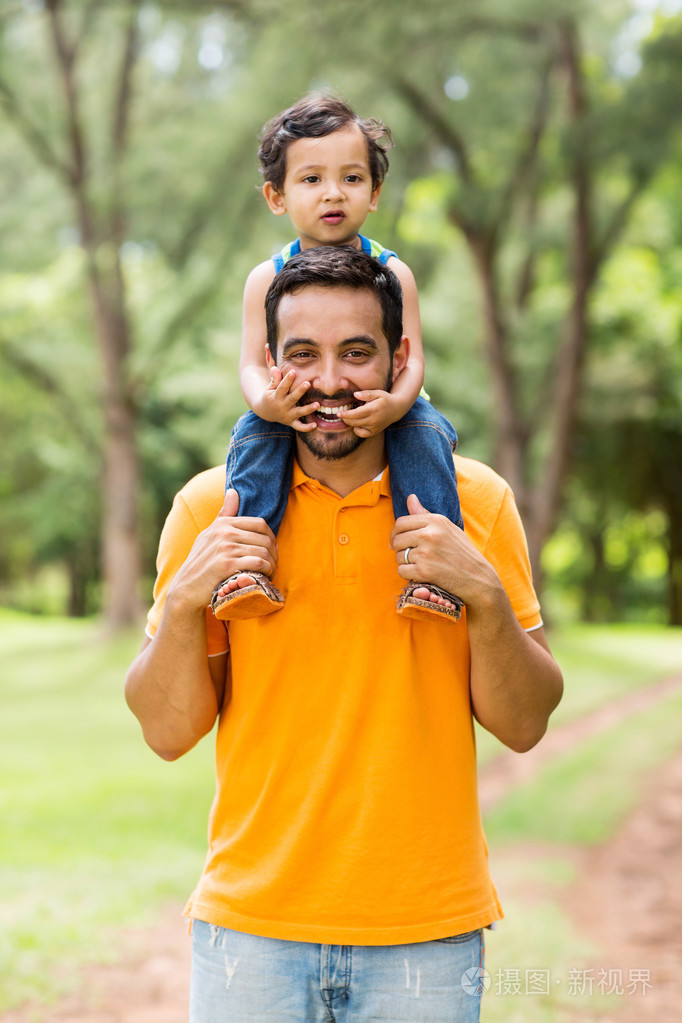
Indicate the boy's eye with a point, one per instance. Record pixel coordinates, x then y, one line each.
353 178
311 179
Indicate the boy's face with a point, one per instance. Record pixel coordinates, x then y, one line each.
328 188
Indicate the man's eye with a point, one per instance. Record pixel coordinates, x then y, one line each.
356 354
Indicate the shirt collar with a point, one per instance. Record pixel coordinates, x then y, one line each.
298 477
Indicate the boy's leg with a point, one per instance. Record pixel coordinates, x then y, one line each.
419 448
259 466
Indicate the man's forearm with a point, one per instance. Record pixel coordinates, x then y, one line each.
515 681
172 687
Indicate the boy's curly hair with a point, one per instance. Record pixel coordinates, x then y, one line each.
313 117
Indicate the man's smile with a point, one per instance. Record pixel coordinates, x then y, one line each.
331 407
333 414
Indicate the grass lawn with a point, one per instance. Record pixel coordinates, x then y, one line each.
97 832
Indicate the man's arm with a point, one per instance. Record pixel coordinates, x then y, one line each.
174 689
515 681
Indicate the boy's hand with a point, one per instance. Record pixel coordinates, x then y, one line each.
279 403
378 412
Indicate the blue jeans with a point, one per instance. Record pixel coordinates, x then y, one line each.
419 448
241 978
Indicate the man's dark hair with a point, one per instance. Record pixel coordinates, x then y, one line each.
314 117
337 266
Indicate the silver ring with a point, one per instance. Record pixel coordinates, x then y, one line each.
407 555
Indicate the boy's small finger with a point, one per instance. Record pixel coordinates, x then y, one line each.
286 381
351 414
299 389
306 410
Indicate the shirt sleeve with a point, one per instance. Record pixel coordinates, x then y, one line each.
177 537
507 550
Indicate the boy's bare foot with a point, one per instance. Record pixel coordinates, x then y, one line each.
233 583
426 602
424 593
245 595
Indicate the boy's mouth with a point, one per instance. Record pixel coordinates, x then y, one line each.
334 217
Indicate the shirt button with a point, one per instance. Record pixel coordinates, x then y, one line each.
344 539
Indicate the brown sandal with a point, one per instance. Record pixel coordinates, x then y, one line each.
247 601
422 610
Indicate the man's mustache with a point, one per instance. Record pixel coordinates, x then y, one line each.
343 397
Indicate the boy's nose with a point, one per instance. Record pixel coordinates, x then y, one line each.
333 192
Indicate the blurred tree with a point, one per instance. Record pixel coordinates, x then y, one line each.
98 202
525 137
547 174
99 96
629 448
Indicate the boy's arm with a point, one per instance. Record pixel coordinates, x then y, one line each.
270 396
382 408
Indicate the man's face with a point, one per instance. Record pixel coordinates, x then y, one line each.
333 338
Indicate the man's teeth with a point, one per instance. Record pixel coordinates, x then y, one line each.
326 411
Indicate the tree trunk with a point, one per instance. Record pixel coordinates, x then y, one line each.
674 566
121 557
510 435
101 238
546 496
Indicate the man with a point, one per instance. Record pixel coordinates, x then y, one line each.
347 871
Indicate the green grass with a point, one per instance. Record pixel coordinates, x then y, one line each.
96 830
580 798
583 796
600 665
97 833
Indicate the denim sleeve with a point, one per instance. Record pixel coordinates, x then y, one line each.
419 448
260 461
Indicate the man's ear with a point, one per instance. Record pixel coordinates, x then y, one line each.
400 357
269 361
374 199
274 199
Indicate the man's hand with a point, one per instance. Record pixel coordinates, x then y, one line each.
440 553
379 411
279 401
230 544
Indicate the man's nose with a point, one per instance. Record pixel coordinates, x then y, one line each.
330 377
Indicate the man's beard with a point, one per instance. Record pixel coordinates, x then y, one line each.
331 446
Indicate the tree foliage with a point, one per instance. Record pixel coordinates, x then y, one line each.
528 141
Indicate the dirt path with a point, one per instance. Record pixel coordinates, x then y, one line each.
628 899
510 769
149 984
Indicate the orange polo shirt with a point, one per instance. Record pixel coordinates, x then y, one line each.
346 808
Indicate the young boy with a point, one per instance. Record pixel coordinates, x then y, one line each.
324 167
